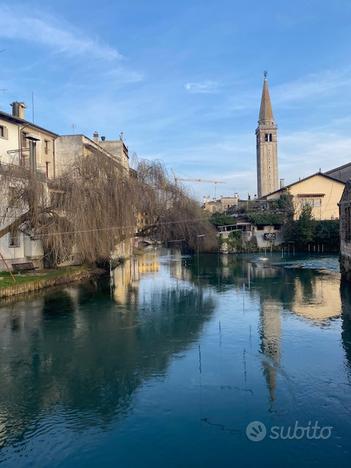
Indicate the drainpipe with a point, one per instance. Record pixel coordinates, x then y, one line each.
20 130
54 158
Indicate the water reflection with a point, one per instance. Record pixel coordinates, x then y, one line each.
127 276
83 351
270 333
77 350
310 294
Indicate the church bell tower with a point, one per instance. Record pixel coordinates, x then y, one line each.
266 146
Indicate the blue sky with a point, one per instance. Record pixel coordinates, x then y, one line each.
182 79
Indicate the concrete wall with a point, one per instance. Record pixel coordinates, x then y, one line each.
68 148
262 243
71 147
259 235
118 149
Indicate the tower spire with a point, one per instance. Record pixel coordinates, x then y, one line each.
266 146
266 113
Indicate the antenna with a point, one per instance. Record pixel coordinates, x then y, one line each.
265 74
32 106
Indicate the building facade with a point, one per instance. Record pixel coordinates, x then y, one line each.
345 231
266 146
319 191
31 149
22 143
221 205
71 147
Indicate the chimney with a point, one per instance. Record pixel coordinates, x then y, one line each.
18 109
96 137
282 183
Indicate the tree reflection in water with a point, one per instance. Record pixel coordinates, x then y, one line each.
79 349
84 351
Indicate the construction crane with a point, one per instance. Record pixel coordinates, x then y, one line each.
200 181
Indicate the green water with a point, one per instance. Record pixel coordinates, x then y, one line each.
170 366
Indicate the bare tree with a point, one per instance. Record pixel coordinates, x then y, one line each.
95 205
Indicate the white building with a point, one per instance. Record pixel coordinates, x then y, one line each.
31 148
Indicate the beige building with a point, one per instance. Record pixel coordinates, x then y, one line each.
221 204
320 191
22 143
266 146
71 147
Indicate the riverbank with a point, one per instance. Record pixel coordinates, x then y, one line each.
30 282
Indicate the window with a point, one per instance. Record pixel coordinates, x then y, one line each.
268 137
47 168
14 239
3 131
46 146
312 202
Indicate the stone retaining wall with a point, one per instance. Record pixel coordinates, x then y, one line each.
47 283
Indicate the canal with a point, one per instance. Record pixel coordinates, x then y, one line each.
186 362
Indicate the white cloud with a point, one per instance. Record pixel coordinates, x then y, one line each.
47 31
122 76
202 87
312 85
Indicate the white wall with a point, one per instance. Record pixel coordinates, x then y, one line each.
11 143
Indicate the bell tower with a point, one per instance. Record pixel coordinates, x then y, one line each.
266 146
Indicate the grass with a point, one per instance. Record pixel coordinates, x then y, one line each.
6 279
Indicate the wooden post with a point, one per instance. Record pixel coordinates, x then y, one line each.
8 268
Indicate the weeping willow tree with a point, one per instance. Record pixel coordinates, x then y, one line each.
171 212
95 205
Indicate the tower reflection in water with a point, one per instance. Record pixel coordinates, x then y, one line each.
310 295
78 356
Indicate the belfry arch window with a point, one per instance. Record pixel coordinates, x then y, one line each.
268 137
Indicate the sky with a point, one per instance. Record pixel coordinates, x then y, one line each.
183 79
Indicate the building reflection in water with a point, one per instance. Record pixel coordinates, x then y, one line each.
307 294
319 299
74 352
126 277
